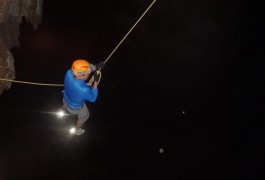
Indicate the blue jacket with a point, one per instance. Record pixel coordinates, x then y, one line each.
76 92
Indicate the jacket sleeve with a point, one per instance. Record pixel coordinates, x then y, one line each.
92 94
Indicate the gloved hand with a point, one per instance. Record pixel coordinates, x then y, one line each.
100 65
97 76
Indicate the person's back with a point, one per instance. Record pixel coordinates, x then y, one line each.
76 92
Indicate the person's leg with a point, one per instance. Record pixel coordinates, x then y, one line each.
79 123
83 115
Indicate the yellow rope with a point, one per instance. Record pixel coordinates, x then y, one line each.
92 79
32 83
130 30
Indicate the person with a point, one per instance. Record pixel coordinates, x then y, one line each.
77 92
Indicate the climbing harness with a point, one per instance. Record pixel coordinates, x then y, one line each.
92 78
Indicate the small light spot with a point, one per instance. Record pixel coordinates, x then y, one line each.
161 150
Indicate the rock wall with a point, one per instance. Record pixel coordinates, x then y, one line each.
11 14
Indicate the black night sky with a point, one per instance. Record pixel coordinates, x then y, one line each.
189 80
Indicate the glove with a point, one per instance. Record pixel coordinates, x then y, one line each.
100 65
97 76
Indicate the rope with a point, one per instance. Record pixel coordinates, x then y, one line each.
44 84
92 78
32 83
130 30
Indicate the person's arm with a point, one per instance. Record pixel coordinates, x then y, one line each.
96 79
99 66
92 94
93 91
95 84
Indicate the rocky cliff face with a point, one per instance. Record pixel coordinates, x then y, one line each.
11 14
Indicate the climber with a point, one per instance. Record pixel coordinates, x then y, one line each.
77 92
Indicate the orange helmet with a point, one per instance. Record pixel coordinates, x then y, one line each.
80 67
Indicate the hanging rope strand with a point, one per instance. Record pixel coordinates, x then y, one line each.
92 79
129 31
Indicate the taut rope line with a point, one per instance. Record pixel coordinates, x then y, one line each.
32 83
130 30
92 79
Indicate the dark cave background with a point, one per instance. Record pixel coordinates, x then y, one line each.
188 80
